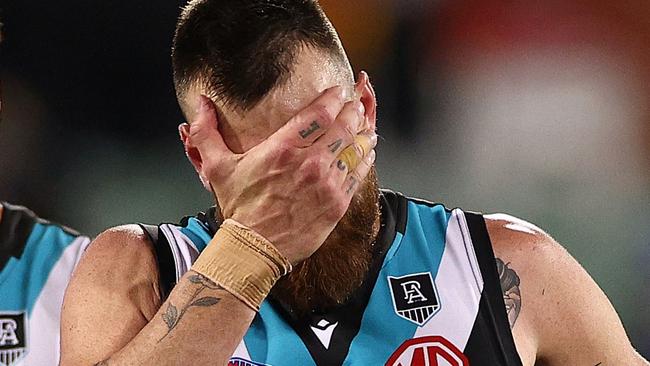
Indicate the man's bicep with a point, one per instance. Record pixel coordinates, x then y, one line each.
111 297
580 325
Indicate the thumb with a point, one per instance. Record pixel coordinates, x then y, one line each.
204 132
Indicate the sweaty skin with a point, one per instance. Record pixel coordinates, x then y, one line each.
562 316
113 313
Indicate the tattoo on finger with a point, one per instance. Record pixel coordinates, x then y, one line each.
313 127
341 165
353 184
334 146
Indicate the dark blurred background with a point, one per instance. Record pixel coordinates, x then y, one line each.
539 109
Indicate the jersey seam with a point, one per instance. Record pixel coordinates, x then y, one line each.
465 245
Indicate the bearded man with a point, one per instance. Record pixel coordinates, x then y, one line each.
304 261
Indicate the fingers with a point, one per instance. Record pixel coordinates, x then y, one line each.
348 124
354 154
204 133
356 176
312 122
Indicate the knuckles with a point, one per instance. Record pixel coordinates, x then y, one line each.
312 170
339 208
322 115
283 154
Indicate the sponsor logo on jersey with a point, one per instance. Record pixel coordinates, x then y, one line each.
13 341
323 331
236 361
427 351
415 297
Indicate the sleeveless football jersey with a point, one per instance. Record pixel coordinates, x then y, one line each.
431 298
36 261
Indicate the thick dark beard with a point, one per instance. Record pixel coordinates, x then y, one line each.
338 268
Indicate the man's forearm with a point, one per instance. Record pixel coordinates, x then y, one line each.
200 323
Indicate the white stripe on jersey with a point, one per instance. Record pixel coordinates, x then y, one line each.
182 247
459 277
183 250
43 346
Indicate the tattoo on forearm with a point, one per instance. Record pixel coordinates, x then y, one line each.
102 363
334 146
172 316
313 127
511 294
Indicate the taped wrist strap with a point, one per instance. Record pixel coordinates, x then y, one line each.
243 262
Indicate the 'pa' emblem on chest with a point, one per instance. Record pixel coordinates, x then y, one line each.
415 297
13 341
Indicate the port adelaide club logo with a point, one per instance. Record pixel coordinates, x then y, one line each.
13 343
415 297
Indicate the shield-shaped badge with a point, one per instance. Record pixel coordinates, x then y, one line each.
415 297
13 342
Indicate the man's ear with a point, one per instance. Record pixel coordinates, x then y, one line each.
192 153
368 99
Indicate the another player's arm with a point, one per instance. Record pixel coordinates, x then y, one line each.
557 311
113 315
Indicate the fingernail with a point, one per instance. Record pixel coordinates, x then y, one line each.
361 108
373 139
347 93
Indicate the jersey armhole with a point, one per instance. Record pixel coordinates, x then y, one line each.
164 258
492 293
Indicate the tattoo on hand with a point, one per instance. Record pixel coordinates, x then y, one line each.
313 127
511 294
172 316
353 184
341 165
334 146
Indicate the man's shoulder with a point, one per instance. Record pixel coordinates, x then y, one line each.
119 241
517 238
120 254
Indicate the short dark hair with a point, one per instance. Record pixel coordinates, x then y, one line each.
240 50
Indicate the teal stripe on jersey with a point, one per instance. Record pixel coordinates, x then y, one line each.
23 279
419 250
272 341
197 233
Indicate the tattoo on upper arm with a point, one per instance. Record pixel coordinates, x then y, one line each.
172 316
313 127
511 294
